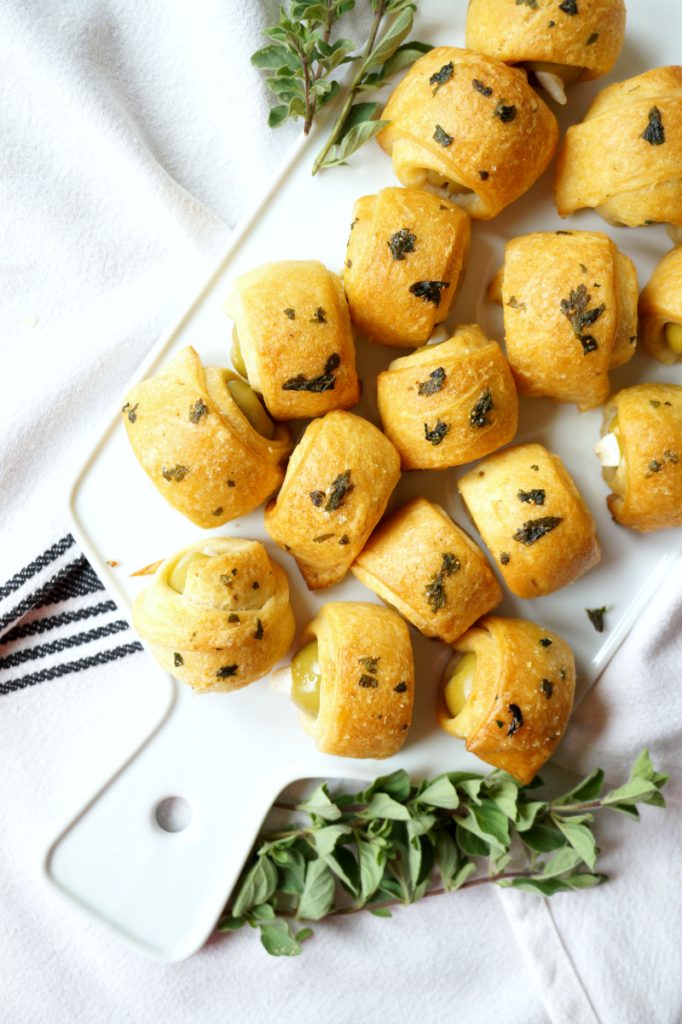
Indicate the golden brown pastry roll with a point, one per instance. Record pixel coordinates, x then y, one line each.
449 403
420 562
660 309
337 485
557 43
293 339
217 614
570 313
532 519
205 441
508 692
469 126
641 456
406 253
353 680
638 124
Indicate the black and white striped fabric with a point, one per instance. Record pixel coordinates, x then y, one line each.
56 618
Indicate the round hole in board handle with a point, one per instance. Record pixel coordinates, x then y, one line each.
173 814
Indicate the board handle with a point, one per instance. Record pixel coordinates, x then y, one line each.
157 852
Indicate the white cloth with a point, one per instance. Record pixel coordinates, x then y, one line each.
133 136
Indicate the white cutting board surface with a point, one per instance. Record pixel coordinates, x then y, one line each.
163 891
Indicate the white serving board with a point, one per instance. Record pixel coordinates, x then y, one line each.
164 891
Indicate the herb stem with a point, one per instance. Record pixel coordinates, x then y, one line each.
311 108
592 805
354 86
440 891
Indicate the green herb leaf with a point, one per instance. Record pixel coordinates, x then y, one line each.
318 892
380 911
278 940
351 141
320 804
440 793
258 886
384 806
588 789
580 838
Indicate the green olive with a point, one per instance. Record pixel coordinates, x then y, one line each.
458 687
237 357
178 576
673 336
305 679
250 404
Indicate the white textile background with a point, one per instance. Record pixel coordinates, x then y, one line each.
133 136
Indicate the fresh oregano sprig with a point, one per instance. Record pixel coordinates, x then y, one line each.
299 62
396 842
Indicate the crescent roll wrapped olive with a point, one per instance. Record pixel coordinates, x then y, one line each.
508 691
638 123
420 562
532 518
353 680
406 253
641 456
217 614
449 403
570 313
660 309
204 440
292 338
470 127
557 43
337 485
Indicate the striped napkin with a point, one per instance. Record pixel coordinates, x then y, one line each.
55 618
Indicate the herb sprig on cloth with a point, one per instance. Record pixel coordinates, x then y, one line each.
396 842
302 57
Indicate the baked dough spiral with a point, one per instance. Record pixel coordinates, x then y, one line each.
421 563
449 403
645 473
469 126
660 309
570 313
196 444
532 518
639 123
513 698
217 614
406 254
366 680
558 43
294 338
337 485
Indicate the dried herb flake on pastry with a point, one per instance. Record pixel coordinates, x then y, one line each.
532 518
405 257
421 563
660 309
570 313
353 680
217 614
336 489
469 127
556 42
292 338
449 403
508 691
625 158
205 441
641 456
